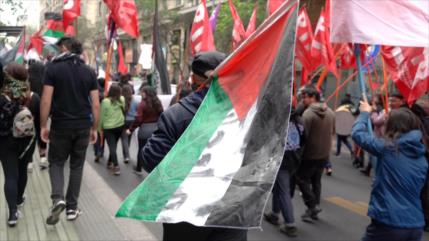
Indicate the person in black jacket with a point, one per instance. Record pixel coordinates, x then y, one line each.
171 125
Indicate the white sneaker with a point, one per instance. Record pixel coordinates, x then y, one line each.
44 163
73 214
30 167
56 210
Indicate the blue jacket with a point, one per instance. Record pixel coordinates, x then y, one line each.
170 126
399 178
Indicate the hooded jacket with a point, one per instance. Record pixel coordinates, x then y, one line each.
319 121
400 175
73 81
171 125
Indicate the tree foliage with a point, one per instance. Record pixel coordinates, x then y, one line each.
223 35
13 4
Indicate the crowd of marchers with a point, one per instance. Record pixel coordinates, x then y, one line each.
62 105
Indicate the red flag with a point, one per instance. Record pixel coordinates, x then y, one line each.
238 33
201 33
347 57
122 68
251 27
304 38
71 10
124 13
70 31
55 25
409 68
273 5
321 49
36 42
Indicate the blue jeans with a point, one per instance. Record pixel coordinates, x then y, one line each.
281 196
345 140
377 231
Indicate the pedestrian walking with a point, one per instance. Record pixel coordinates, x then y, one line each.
319 121
112 120
70 94
282 200
171 125
148 112
99 144
131 104
344 120
35 76
16 136
395 207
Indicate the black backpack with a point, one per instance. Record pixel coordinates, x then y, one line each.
8 110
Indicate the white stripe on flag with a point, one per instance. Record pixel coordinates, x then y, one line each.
211 177
51 40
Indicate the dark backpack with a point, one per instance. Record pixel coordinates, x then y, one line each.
292 158
8 110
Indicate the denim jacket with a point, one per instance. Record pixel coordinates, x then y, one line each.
399 178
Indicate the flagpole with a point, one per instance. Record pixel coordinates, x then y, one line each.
108 66
361 80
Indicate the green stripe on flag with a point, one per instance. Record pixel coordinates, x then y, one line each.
53 34
150 197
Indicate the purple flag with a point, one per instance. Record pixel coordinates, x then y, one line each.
213 17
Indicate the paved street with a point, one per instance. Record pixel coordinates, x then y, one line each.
345 198
344 204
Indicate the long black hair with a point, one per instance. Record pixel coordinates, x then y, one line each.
35 77
127 92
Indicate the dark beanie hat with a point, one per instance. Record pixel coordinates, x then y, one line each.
206 61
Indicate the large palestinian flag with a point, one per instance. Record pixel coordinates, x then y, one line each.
222 169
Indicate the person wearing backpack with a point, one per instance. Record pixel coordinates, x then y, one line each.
16 136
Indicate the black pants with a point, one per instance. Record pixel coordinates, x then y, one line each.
65 143
189 232
15 168
112 137
309 178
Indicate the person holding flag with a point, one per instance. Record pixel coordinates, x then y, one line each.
395 208
171 125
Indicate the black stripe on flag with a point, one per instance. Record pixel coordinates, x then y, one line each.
243 203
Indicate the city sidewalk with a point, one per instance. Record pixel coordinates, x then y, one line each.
97 201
